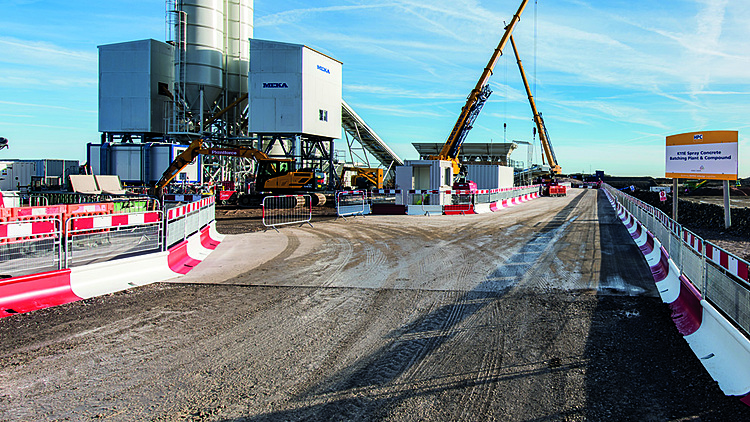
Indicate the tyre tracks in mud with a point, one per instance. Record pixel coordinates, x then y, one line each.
433 318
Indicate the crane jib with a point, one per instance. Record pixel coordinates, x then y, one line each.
477 97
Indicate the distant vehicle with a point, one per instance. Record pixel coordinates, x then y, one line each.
364 177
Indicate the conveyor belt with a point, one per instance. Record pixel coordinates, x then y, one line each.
371 142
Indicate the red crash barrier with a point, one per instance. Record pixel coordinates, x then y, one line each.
37 291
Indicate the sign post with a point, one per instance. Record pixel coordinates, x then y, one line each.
709 155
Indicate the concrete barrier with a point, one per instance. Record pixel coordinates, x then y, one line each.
178 259
482 208
207 240
687 312
652 250
195 248
113 276
723 351
669 286
642 235
661 268
37 291
721 348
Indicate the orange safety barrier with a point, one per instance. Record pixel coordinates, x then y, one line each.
30 214
89 210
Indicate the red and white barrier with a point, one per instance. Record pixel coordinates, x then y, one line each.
732 264
721 348
37 291
113 220
113 276
723 351
210 238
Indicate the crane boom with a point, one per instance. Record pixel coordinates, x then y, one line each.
476 99
541 128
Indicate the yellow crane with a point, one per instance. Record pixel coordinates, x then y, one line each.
540 127
475 101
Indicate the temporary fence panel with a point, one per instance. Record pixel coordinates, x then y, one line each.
175 231
29 247
186 219
287 209
721 277
383 201
424 203
729 294
92 239
351 203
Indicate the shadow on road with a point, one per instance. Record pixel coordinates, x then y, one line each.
633 358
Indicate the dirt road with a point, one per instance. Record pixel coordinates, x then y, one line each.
544 311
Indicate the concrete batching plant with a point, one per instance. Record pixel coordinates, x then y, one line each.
210 80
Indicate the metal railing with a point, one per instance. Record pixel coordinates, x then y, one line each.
286 209
351 203
31 244
105 241
721 277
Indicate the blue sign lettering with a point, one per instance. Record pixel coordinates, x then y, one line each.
275 85
323 69
696 137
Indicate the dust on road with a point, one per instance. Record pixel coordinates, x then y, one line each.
544 311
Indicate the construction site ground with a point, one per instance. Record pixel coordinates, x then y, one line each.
545 311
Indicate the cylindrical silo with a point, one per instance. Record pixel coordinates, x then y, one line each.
239 18
204 56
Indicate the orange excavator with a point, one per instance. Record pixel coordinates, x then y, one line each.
475 101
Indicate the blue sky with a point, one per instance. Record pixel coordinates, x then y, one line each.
612 79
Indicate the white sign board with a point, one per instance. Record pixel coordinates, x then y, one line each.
703 155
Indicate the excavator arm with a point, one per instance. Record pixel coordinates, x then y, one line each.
196 148
540 127
476 100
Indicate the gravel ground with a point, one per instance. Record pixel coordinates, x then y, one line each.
544 311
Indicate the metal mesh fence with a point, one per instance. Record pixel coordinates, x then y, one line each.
692 265
175 231
30 257
29 247
286 209
192 223
728 294
350 203
675 248
105 244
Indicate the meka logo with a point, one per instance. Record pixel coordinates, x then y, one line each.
275 85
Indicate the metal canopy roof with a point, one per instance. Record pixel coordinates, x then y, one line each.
486 152
371 142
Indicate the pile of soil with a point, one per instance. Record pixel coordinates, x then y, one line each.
707 221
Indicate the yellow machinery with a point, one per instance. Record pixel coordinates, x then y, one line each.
475 101
275 175
540 127
365 177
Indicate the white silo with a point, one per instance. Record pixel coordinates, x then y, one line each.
204 52
239 18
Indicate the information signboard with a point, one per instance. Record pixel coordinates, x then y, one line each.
703 155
